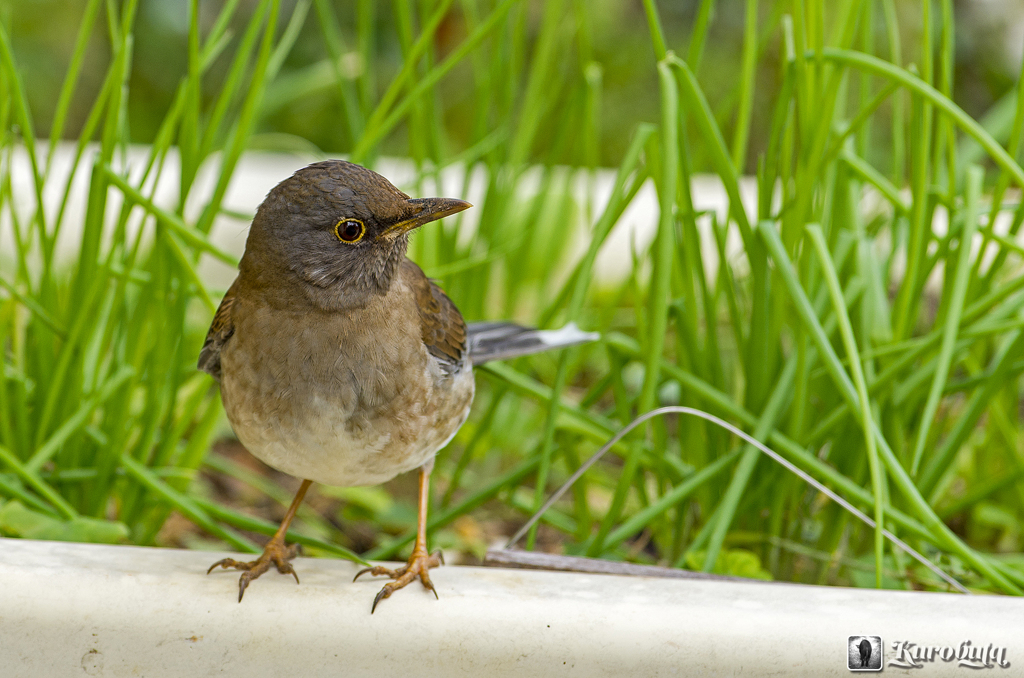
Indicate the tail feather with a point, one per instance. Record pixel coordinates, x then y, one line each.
503 341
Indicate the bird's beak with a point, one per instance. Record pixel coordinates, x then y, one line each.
425 210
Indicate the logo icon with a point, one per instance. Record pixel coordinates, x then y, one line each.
864 653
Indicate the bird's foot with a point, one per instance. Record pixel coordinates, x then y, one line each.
276 553
419 565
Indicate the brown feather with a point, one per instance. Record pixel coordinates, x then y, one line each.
441 325
220 331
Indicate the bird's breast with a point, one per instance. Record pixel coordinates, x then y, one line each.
340 399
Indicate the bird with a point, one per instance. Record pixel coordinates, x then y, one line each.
340 362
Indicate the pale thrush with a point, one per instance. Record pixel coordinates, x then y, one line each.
340 362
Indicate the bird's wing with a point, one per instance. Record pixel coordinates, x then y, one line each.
441 325
221 330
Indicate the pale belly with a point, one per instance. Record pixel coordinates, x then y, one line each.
324 414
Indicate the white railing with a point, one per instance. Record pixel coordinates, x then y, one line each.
83 609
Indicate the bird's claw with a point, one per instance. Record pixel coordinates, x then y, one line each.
275 553
418 566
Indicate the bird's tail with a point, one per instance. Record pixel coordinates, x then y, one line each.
502 341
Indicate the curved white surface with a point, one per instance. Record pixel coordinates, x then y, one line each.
82 609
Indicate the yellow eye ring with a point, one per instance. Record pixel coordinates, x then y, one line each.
350 231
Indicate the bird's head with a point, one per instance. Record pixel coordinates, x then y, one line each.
336 230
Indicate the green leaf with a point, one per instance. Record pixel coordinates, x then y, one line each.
732 562
18 521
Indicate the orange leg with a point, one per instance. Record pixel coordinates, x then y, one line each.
420 561
276 552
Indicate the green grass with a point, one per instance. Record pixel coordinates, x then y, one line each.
874 351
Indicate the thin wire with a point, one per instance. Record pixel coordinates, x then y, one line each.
676 409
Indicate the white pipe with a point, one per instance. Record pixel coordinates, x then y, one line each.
83 609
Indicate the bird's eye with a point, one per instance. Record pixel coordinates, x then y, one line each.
350 231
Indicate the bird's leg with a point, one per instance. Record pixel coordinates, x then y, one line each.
275 553
420 561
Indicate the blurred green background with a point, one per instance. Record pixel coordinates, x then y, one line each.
303 102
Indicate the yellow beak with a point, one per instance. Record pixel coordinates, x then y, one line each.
426 210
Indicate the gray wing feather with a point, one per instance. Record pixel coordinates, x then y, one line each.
503 341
